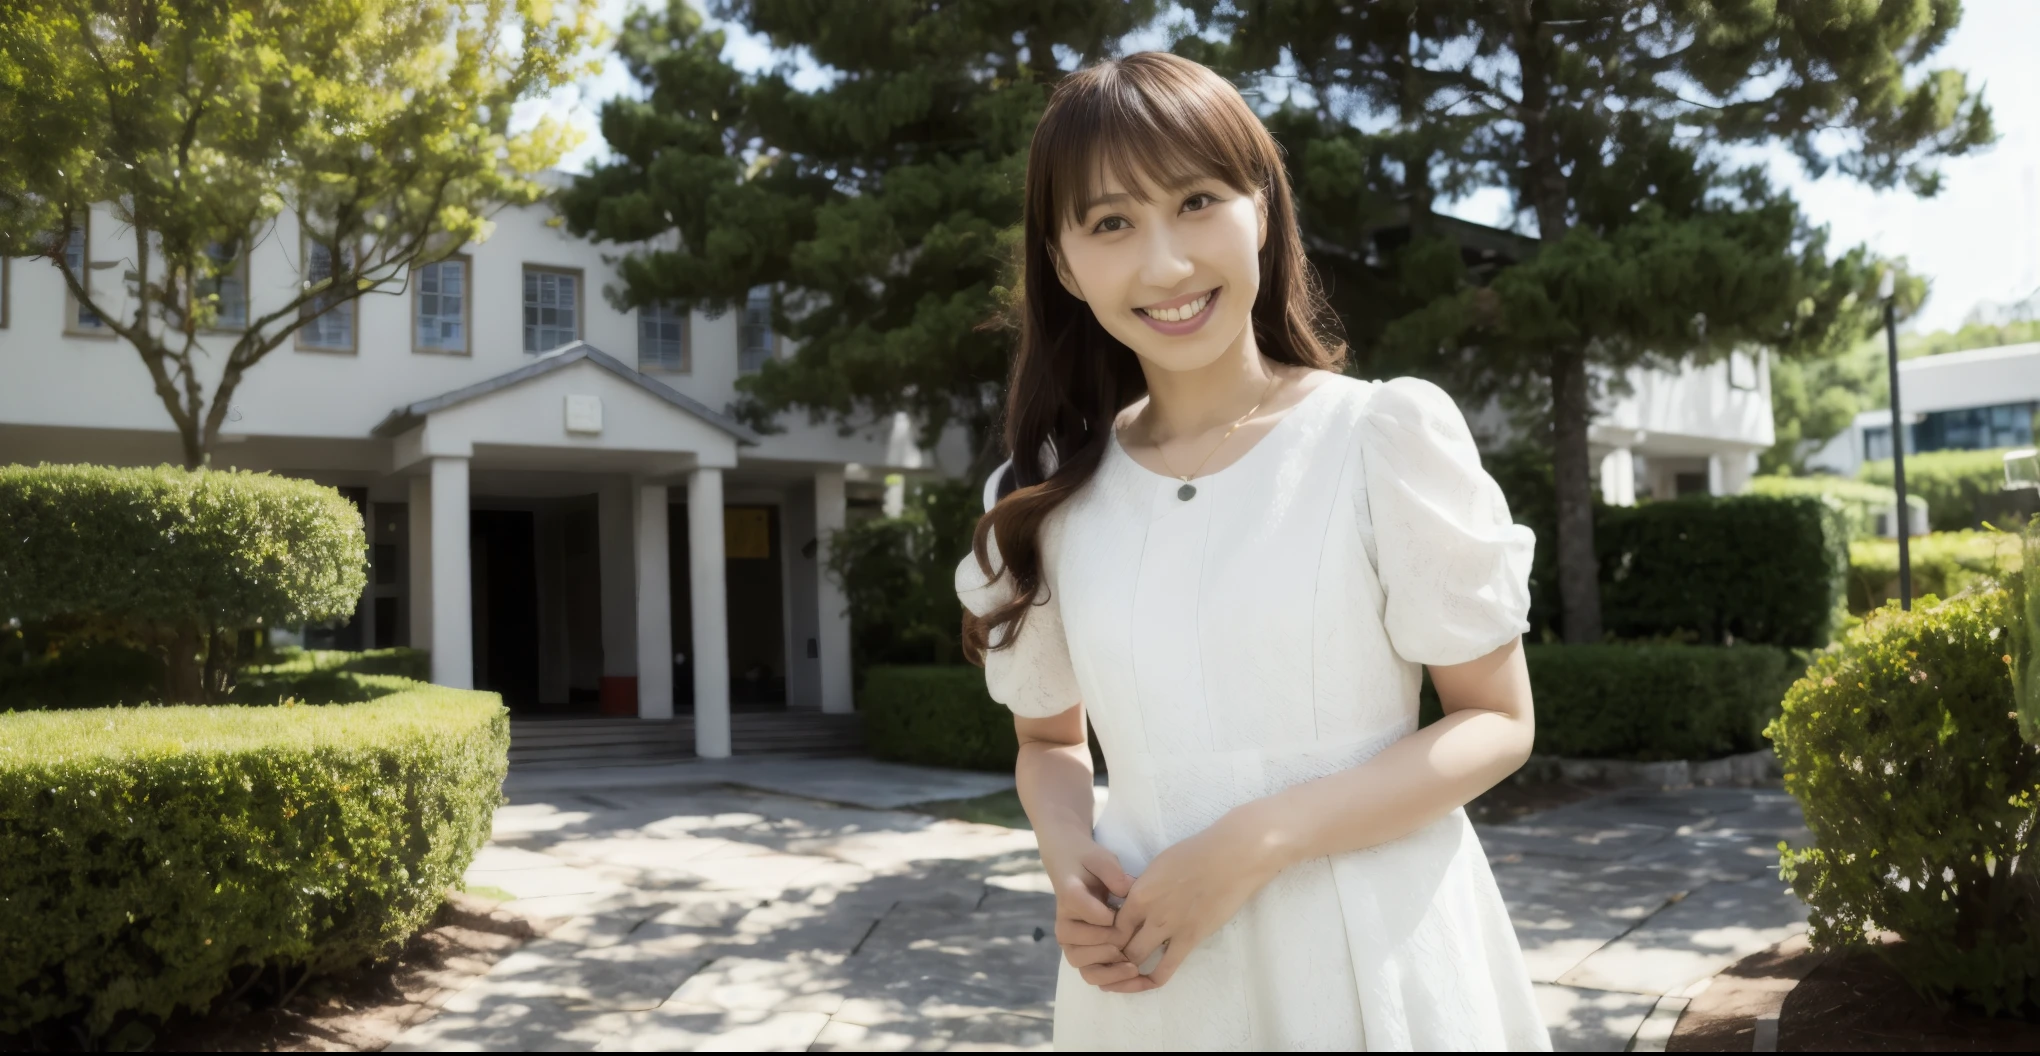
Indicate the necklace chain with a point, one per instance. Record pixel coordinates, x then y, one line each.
1185 478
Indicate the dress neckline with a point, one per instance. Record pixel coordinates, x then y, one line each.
1273 430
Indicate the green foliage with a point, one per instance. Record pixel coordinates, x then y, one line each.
153 858
1972 334
2025 591
1924 803
899 575
1859 504
1956 484
382 127
176 561
1650 703
1815 398
885 204
107 674
936 715
1943 564
1746 568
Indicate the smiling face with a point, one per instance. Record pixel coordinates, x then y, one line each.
1171 273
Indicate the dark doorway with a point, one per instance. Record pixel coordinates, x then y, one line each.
503 556
754 611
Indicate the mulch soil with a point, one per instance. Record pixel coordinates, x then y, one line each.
358 1011
1845 1003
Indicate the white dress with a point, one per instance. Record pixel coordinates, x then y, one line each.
1267 632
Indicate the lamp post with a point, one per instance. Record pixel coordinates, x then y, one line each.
1887 289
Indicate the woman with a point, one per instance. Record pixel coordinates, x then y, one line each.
1239 604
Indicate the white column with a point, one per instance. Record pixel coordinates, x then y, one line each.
418 542
654 604
453 631
834 616
1618 477
614 531
1729 474
708 602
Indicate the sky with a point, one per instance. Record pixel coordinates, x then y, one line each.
1978 241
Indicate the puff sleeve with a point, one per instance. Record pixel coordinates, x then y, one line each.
1455 570
1034 676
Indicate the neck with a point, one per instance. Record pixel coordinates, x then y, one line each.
1214 396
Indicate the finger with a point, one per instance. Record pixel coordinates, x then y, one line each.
1178 949
1085 956
1104 865
1076 902
1145 942
1077 933
1102 975
1131 986
1128 921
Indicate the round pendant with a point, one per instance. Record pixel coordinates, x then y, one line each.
1186 492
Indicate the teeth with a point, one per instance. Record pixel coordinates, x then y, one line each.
1179 314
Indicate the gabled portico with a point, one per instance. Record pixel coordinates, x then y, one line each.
590 450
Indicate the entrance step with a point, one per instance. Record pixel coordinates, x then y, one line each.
558 743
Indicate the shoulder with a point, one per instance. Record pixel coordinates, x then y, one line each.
1410 403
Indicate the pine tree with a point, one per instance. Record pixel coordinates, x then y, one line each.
882 208
1610 123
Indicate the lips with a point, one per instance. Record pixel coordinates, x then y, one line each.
1182 316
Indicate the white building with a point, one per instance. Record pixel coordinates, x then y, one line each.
530 463
1962 401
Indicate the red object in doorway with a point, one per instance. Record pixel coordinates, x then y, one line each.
619 695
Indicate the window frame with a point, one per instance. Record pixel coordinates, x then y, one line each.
686 343
247 295
467 307
772 336
580 304
353 346
72 327
1749 361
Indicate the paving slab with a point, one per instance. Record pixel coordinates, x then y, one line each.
775 904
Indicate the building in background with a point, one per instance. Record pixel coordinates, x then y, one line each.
559 505
1977 400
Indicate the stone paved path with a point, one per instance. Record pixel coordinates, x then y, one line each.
805 911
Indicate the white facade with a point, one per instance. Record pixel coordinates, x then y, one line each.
1978 399
1671 433
528 514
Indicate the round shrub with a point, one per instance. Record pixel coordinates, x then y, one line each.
174 560
936 715
1901 746
153 858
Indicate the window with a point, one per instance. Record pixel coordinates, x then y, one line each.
552 309
442 307
330 317
755 338
1742 370
78 317
662 340
1975 428
229 283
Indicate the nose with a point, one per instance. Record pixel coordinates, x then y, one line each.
1164 263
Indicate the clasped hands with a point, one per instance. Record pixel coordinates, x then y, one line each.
1183 897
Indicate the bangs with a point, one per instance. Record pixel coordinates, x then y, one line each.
1152 130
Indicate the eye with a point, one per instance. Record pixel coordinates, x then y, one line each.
1101 229
1191 205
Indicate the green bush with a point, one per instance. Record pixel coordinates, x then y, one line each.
105 674
1901 747
940 715
1649 703
1858 503
1749 568
1943 563
899 576
151 858
176 561
1957 485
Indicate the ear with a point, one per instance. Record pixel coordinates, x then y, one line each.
1261 207
1062 274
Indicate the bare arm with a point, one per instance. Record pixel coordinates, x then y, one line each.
1055 781
1193 888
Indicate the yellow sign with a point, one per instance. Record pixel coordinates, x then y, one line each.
747 531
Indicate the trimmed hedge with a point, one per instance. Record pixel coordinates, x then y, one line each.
1641 702
1902 748
103 674
1956 484
1943 564
176 561
151 858
1766 569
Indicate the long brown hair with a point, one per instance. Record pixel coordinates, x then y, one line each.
1149 116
